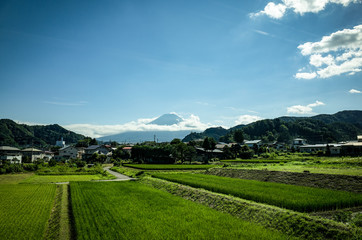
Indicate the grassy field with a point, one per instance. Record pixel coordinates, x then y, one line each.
25 210
169 166
303 199
130 210
39 179
324 165
14 178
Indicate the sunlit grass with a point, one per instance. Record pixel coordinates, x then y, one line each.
304 199
129 210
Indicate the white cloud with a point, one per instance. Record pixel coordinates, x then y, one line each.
305 75
272 10
304 110
246 119
277 11
342 52
353 91
191 123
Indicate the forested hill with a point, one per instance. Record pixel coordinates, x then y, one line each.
342 126
22 135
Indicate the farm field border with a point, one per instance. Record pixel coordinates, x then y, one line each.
148 213
299 198
287 221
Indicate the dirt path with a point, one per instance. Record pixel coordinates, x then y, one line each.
119 177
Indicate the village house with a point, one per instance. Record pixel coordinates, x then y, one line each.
251 143
70 152
334 148
10 154
99 149
33 154
353 148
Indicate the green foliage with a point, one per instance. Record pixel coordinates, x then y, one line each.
304 199
238 136
25 210
129 210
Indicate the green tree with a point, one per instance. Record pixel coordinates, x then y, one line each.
239 136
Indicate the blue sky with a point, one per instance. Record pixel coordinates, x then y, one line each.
114 65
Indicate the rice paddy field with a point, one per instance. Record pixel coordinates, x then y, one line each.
25 210
169 166
130 210
298 198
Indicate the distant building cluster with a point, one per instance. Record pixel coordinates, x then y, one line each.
16 155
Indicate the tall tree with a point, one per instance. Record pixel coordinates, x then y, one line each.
239 136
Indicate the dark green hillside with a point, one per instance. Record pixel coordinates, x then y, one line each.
216 133
342 126
19 135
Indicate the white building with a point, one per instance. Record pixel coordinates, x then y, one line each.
70 152
60 143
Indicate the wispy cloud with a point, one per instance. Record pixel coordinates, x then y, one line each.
301 7
191 123
246 119
80 103
336 54
304 110
261 32
354 91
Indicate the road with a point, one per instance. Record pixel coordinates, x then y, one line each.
119 177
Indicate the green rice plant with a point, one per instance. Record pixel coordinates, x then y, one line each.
169 166
25 210
299 198
130 210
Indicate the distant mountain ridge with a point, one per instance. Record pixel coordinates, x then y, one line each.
151 135
167 119
341 126
143 136
22 135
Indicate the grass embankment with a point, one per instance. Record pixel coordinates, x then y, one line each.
130 172
324 165
287 221
25 210
130 210
59 222
299 198
169 166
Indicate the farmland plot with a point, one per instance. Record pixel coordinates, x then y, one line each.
25 210
129 210
299 198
